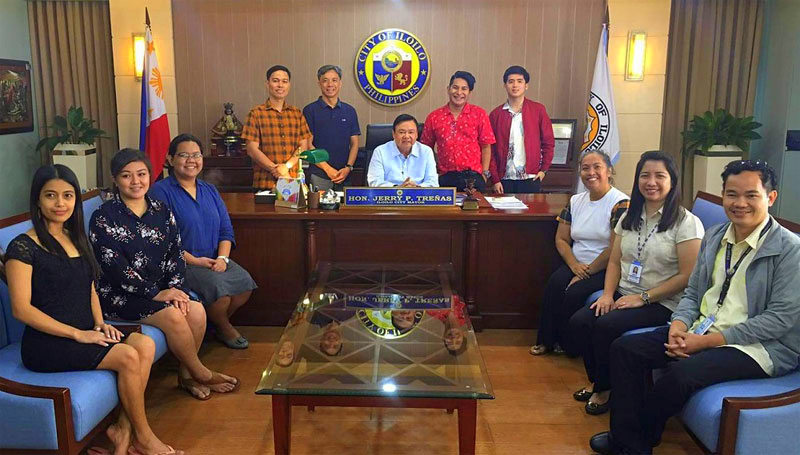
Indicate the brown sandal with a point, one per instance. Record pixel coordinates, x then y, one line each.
538 349
216 379
132 450
188 384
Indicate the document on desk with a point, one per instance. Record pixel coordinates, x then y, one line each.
506 203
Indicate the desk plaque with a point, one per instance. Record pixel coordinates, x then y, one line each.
398 301
399 197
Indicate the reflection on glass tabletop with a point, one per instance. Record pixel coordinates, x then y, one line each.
378 330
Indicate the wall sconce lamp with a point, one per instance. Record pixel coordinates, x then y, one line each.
634 60
138 55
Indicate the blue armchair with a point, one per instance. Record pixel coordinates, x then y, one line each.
52 412
749 416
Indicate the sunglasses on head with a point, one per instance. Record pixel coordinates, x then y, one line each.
749 164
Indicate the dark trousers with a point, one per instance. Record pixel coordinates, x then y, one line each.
638 416
458 179
522 186
595 335
560 303
324 183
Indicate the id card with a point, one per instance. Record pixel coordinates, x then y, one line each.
635 273
705 325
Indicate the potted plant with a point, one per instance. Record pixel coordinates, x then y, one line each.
720 132
715 139
73 145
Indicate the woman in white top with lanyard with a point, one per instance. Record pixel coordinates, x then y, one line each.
654 252
583 238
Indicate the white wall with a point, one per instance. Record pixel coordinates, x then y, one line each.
640 105
127 17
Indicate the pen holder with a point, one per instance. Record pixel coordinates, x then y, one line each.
313 200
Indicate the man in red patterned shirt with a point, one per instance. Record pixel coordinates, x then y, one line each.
462 135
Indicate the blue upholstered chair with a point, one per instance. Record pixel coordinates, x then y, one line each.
708 208
742 417
59 412
592 298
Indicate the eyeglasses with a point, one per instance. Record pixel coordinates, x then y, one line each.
186 156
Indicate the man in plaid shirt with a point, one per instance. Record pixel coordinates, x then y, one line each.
274 131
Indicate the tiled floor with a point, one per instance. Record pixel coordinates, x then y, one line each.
533 412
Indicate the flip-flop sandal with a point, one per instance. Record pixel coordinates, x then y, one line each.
234 343
132 450
220 380
538 349
186 385
243 341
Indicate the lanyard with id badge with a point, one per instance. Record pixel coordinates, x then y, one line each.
726 285
635 272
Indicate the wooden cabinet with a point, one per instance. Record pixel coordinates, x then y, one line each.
230 174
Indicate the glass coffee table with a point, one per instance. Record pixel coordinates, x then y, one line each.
373 335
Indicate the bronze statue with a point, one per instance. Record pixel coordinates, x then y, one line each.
471 201
227 132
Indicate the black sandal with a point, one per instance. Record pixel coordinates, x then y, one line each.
582 395
595 409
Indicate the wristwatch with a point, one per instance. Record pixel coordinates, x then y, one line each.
349 166
487 174
645 297
224 258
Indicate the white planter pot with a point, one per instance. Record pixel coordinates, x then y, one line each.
82 159
708 167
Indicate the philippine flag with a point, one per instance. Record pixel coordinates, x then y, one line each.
154 126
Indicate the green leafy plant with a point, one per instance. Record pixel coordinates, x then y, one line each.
719 128
72 129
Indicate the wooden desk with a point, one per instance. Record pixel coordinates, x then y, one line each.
502 259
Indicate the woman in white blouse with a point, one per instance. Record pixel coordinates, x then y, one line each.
585 232
653 254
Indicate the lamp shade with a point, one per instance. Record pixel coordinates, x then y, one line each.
315 156
138 55
635 58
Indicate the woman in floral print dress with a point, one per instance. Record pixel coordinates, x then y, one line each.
138 245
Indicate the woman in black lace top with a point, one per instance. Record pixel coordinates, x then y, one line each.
51 273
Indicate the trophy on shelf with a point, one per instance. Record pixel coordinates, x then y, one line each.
471 201
226 135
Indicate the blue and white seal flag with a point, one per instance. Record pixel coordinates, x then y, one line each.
602 129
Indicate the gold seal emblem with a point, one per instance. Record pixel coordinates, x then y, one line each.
392 67
390 324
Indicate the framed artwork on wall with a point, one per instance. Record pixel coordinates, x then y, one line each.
16 103
564 133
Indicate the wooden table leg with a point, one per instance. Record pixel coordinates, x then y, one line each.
471 275
311 247
467 417
282 423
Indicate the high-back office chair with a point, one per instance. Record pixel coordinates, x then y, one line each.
378 134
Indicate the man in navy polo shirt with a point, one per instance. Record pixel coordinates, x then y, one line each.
334 126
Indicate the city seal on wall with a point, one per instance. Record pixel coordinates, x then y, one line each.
598 124
392 67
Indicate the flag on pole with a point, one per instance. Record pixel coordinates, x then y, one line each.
153 125
602 129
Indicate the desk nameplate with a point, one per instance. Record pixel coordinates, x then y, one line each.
397 197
